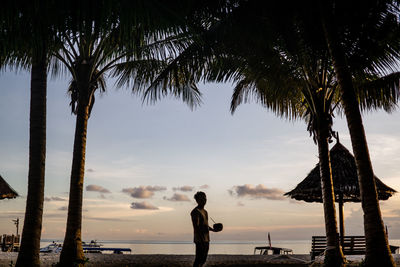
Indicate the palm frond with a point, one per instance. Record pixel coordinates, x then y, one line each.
382 92
137 74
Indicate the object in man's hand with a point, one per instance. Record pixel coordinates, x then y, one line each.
218 227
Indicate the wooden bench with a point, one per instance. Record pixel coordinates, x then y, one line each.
352 245
318 245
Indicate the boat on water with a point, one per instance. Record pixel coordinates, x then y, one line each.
92 244
57 247
92 247
52 248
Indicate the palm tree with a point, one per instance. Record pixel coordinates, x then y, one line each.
32 229
374 15
313 97
25 45
88 56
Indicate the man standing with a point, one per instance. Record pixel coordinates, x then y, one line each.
201 229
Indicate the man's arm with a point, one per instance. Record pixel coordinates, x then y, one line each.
209 228
195 220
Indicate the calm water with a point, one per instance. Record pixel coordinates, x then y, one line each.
216 247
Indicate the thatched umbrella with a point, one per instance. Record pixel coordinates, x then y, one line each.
5 190
345 182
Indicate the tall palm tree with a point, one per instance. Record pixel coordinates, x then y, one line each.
88 56
312 96
373 15
31 233
80 61
25 45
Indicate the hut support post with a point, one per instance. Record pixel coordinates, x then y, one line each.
341 219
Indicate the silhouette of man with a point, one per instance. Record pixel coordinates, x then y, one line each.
201 229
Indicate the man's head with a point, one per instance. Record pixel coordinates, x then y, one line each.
200 198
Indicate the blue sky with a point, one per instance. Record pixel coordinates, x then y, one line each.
145 162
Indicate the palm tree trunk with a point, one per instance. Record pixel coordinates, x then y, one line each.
341 219
31 233
377 247
333 254
72 252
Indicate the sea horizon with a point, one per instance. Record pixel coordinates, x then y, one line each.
240 247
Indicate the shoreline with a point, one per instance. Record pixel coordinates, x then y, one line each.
167 260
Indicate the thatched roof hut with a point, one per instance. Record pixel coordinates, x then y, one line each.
6 190
345 182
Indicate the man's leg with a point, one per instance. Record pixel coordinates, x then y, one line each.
204 251
197 260
201 253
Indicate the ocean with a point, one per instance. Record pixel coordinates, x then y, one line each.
216 247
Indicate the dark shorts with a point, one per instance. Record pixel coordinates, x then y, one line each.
201 253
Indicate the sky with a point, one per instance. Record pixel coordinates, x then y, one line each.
145 162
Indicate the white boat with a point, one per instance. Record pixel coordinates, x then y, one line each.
92 244
52 248
92 247
56 247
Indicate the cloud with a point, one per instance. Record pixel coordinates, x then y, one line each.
12 214
143 206
259 191
240 204
177 197
90 170
396 212
204 186
111 219
294 201
97 188
354 221
143 191
54 215
54 199
185 188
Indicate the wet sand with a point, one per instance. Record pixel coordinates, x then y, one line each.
124 260
147 260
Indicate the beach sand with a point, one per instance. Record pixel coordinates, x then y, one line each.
147 260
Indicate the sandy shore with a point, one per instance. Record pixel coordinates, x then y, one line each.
109 260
